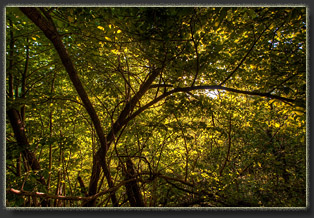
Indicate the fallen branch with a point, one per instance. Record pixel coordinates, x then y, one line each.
61 197
43 195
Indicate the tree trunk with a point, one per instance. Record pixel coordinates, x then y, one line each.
19 132
132 188
22 141
82 185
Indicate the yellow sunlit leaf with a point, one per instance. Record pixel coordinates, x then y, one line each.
110 26
34 38
299 108
272 26
107 38
115 51
101 28
298 113
253 66
271 101
119 31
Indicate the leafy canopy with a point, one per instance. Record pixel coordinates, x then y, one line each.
223 122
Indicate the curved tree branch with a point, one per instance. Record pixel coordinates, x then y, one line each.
209 87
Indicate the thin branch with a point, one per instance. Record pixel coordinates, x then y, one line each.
121 121
244 58
276 86
229 147
268 95
209 87
182 189
160 85
195 43
167 178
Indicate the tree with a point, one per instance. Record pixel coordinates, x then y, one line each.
169 106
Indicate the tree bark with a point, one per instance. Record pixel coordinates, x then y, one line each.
132 188
82 185
22 141
129 107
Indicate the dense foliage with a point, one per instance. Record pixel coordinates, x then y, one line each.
156 107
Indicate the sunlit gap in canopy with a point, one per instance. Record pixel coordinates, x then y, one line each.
211 93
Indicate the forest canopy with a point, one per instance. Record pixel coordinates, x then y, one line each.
156 107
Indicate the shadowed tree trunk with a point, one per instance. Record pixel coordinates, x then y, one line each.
132 188
22 141
19 133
